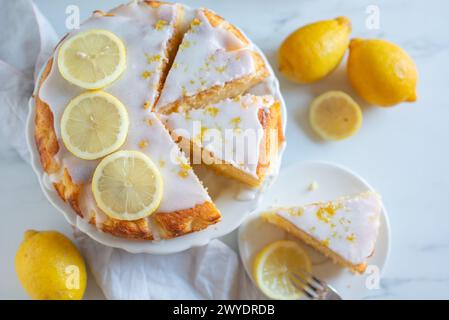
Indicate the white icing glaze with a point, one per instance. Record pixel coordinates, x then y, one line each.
182 189
208 56
349 228
145 38
246 194
230 129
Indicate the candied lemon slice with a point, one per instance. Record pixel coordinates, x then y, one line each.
127 185
334 115
94 124
274 268
92 59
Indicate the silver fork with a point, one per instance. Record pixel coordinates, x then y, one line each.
312 287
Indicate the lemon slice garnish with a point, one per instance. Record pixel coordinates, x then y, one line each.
274 266
127 185
334 115
92 59
94 124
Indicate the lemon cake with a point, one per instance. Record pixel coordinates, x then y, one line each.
238 137
150 31
344 230
100 100
214 61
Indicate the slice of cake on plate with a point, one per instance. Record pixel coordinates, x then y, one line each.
237 137
214 61
344 230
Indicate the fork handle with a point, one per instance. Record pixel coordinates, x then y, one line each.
331 295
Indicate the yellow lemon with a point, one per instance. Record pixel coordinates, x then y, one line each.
274 268
313 51
94 124
50 267
381 72
334 115
127 185
92 59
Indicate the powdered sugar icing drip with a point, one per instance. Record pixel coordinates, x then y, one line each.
230 129
348 226
145 31
208 56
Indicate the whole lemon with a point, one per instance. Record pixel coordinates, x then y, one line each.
381 72
313 51
50 267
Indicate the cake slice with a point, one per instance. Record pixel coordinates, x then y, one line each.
344 230
213 62
237 137
162 29
185 205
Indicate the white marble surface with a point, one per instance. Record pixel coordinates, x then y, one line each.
403 152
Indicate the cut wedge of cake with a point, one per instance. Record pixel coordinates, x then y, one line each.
150 32
237 137
214 61
344 230
185 204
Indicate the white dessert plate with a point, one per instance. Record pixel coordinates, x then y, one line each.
233 200
292 188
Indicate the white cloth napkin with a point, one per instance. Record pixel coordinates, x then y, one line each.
213 271
26 41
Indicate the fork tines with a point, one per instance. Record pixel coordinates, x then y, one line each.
310 285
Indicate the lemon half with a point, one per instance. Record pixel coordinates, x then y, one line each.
92 59
274 266
334 115
94 124
127 185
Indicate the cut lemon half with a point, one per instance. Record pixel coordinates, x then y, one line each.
92 59
94 124
274 267
334 115
127 185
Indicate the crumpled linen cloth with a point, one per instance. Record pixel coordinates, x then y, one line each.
213 271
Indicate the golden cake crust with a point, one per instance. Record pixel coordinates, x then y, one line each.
271 121
170 224
298 233
215 20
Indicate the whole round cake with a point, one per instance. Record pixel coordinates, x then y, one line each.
132 99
